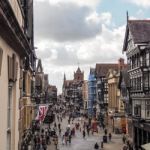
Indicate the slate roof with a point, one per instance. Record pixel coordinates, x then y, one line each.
68 83
102 69
140 31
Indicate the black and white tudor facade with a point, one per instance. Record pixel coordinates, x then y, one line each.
137 48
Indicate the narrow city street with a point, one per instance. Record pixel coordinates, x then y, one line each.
87 143
75 75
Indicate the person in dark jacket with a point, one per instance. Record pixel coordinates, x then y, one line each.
83 133
96 146
110 136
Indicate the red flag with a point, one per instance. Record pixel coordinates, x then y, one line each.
42 113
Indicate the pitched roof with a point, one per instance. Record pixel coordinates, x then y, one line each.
78 70
102 69
67 83
39 66
140 31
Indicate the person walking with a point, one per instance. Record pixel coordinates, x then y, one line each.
47 138
88 129
44 146
105 131
66 137
56 141
96 146
60 132
69 138
110 136
83 133
63 139
124 138
59 125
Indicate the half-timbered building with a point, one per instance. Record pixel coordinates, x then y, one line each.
101 71
137 48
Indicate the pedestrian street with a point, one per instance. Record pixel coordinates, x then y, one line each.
87 143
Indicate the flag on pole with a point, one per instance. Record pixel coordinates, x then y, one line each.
42 111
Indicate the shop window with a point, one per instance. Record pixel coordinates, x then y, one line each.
137 110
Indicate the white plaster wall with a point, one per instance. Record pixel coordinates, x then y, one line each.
17 10
4 99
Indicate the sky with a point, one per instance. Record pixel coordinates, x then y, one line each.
72 33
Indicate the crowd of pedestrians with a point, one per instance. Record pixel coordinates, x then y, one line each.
42 136
127 143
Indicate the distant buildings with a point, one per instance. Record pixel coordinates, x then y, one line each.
52 94
101 72
85 95
72 90
116 114
92 93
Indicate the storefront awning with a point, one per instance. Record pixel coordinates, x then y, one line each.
146 146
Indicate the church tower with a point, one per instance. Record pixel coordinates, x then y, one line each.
78 75
39 68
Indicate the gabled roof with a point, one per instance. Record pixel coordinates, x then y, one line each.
101 70
140 32
78 70
39 66
67 83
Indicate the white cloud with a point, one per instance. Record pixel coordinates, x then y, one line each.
91 3
64 22
106 47
71 31
143 3
104 17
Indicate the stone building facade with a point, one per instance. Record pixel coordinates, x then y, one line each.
116 114
16 57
